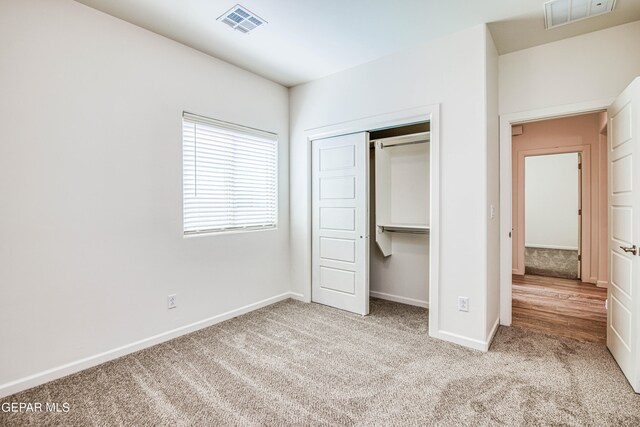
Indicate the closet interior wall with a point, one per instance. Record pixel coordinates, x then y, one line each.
402 276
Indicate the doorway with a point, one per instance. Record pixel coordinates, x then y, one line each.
370 218
350 138
559 185
623 203
553 215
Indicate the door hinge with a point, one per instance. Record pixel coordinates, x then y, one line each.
579 165
579 257
579 211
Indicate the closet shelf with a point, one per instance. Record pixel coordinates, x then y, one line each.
405 228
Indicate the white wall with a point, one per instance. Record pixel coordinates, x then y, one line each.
449 71
90 178
594 66
493 187
551 201
409 174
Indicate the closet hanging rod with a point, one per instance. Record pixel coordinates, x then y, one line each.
373 147
404 143
394 141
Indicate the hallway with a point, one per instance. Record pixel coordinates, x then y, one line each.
562 307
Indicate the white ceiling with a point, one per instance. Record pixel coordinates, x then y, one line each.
308 39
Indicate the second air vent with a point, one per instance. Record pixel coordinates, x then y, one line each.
561 12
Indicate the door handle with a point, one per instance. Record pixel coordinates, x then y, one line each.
631 249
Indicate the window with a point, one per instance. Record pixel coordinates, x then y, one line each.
229 176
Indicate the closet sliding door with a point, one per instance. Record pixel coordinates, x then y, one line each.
340 222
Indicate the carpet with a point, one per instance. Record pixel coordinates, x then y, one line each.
306 364
561 263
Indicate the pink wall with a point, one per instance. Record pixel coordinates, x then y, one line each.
603 218
570 134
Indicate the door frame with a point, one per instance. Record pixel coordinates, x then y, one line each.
388 120
506 121
584 204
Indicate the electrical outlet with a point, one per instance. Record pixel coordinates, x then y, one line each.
172 301
463 304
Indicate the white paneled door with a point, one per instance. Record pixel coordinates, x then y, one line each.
340 222
623 318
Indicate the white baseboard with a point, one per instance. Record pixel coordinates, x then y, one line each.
30 381
602 284
298 297
397 298
460 340
564 248
466 341
492 334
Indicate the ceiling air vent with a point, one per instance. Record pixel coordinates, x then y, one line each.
561 12
241 19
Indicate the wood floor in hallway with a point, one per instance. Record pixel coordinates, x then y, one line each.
563 307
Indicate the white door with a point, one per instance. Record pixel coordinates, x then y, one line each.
340 222
623 318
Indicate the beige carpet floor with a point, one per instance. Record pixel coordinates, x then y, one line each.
306 364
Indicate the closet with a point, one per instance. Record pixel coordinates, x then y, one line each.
370 217
399 214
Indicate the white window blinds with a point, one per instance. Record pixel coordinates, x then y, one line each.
229 176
